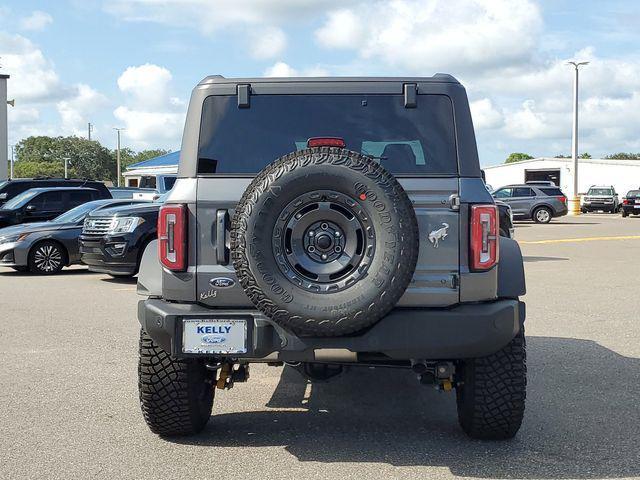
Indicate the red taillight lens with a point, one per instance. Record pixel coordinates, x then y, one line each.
484 237
562 198
172 237
625 201
325 142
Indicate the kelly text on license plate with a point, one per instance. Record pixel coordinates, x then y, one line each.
214 336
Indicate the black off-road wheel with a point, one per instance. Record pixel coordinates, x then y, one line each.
176 395
491 392
324 241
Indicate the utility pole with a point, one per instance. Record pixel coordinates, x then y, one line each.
574 201
66 167
89 130
118 156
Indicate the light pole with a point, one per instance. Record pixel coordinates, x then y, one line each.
574 201
66 167
118 156
13 152
89 130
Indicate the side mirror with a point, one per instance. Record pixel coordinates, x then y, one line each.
30 208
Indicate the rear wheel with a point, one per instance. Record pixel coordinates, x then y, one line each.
542 215
47 258
491 392
176 395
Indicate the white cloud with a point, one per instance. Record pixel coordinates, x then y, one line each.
282 69
78 110
267 43
210 16
152 117
33 77
38 20
421 36
343 29
485 115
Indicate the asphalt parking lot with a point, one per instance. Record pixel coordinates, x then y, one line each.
69 408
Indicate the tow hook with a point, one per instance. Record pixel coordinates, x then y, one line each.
438 374
231 373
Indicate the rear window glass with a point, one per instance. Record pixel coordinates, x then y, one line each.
404 140
554 192
633 193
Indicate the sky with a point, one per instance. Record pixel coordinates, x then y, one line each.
132 64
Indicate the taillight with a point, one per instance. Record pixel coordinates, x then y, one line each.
625 201
172 237
326 142
562 198
484 236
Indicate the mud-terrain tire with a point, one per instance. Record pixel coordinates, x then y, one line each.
274 227
176 395
491 392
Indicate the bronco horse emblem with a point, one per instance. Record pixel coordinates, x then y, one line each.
439 234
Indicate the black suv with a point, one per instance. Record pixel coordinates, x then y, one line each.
326 223
112 240
11 188
41 204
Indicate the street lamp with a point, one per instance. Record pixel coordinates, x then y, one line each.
66 167
574 201
118 156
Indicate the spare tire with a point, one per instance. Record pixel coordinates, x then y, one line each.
324 241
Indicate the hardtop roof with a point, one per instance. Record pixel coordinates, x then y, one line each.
219 79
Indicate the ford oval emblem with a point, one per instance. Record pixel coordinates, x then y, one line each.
213 339
222 282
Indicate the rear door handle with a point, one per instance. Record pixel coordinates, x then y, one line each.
222 242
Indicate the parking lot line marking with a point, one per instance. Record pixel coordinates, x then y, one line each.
583 239
130 289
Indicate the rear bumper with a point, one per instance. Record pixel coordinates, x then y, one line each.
465 331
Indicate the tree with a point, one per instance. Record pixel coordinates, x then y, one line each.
585 155
517 157
44 156
129 157
624 156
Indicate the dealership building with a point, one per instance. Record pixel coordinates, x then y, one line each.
624 175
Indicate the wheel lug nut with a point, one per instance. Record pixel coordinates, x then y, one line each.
324 226
311 249
324 256
337 249
337 234
311 233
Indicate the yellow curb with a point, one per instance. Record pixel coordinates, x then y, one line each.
583 239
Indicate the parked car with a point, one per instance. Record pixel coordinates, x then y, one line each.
12 188
505 216
602 198
153 186
41 204
541 183
365 215
129 192
112 240
631 203
536 202
46 247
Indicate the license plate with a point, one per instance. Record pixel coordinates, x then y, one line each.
638 201
636 206
214 336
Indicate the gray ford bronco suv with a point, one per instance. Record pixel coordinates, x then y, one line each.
325 223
